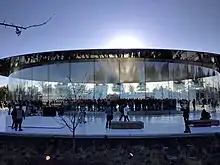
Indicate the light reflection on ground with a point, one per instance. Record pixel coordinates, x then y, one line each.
95 126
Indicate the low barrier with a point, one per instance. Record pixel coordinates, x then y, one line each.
204 123
127 125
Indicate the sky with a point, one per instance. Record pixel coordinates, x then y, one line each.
82 24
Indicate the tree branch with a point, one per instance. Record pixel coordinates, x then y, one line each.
75 116
18 28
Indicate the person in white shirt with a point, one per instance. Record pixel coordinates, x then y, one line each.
126 110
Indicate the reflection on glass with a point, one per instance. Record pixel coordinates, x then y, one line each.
107 71
132 70
107 78
133 90
82 72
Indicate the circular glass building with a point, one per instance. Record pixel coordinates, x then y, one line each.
113 73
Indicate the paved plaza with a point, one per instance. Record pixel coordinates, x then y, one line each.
155 125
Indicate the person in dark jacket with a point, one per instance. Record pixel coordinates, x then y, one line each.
185 109
13 115
205 115
19 118
194 104
121 110
9 108
109 116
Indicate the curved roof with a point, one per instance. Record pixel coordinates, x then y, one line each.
12 64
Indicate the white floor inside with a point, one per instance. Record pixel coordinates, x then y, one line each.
163 125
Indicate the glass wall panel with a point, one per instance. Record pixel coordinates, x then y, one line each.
151 71
4 94
157 76
59 74
41 83
81 82
20 84
132 78
133 91
101 91
26 90
132 70
13 85
107 75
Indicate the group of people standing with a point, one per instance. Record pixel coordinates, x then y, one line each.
17 117
124 113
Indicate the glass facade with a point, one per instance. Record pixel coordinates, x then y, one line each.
116 77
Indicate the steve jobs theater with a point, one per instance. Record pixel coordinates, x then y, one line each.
146 79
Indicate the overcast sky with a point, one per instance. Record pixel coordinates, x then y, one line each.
183 24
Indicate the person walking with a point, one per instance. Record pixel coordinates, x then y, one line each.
20 115
121 110
126 110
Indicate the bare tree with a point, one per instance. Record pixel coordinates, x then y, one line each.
78 90
20 92
19 29
72 118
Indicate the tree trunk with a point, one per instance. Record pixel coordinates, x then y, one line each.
73 141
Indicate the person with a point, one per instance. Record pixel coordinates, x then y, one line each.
109 116
205 115
9 108
19 118
203 102
82 116
13 115
61 110
122 113
194 104
214 104
185 109
126 110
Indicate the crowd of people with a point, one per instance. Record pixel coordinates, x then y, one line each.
33 107
96 105
20 109
148 104
99 105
